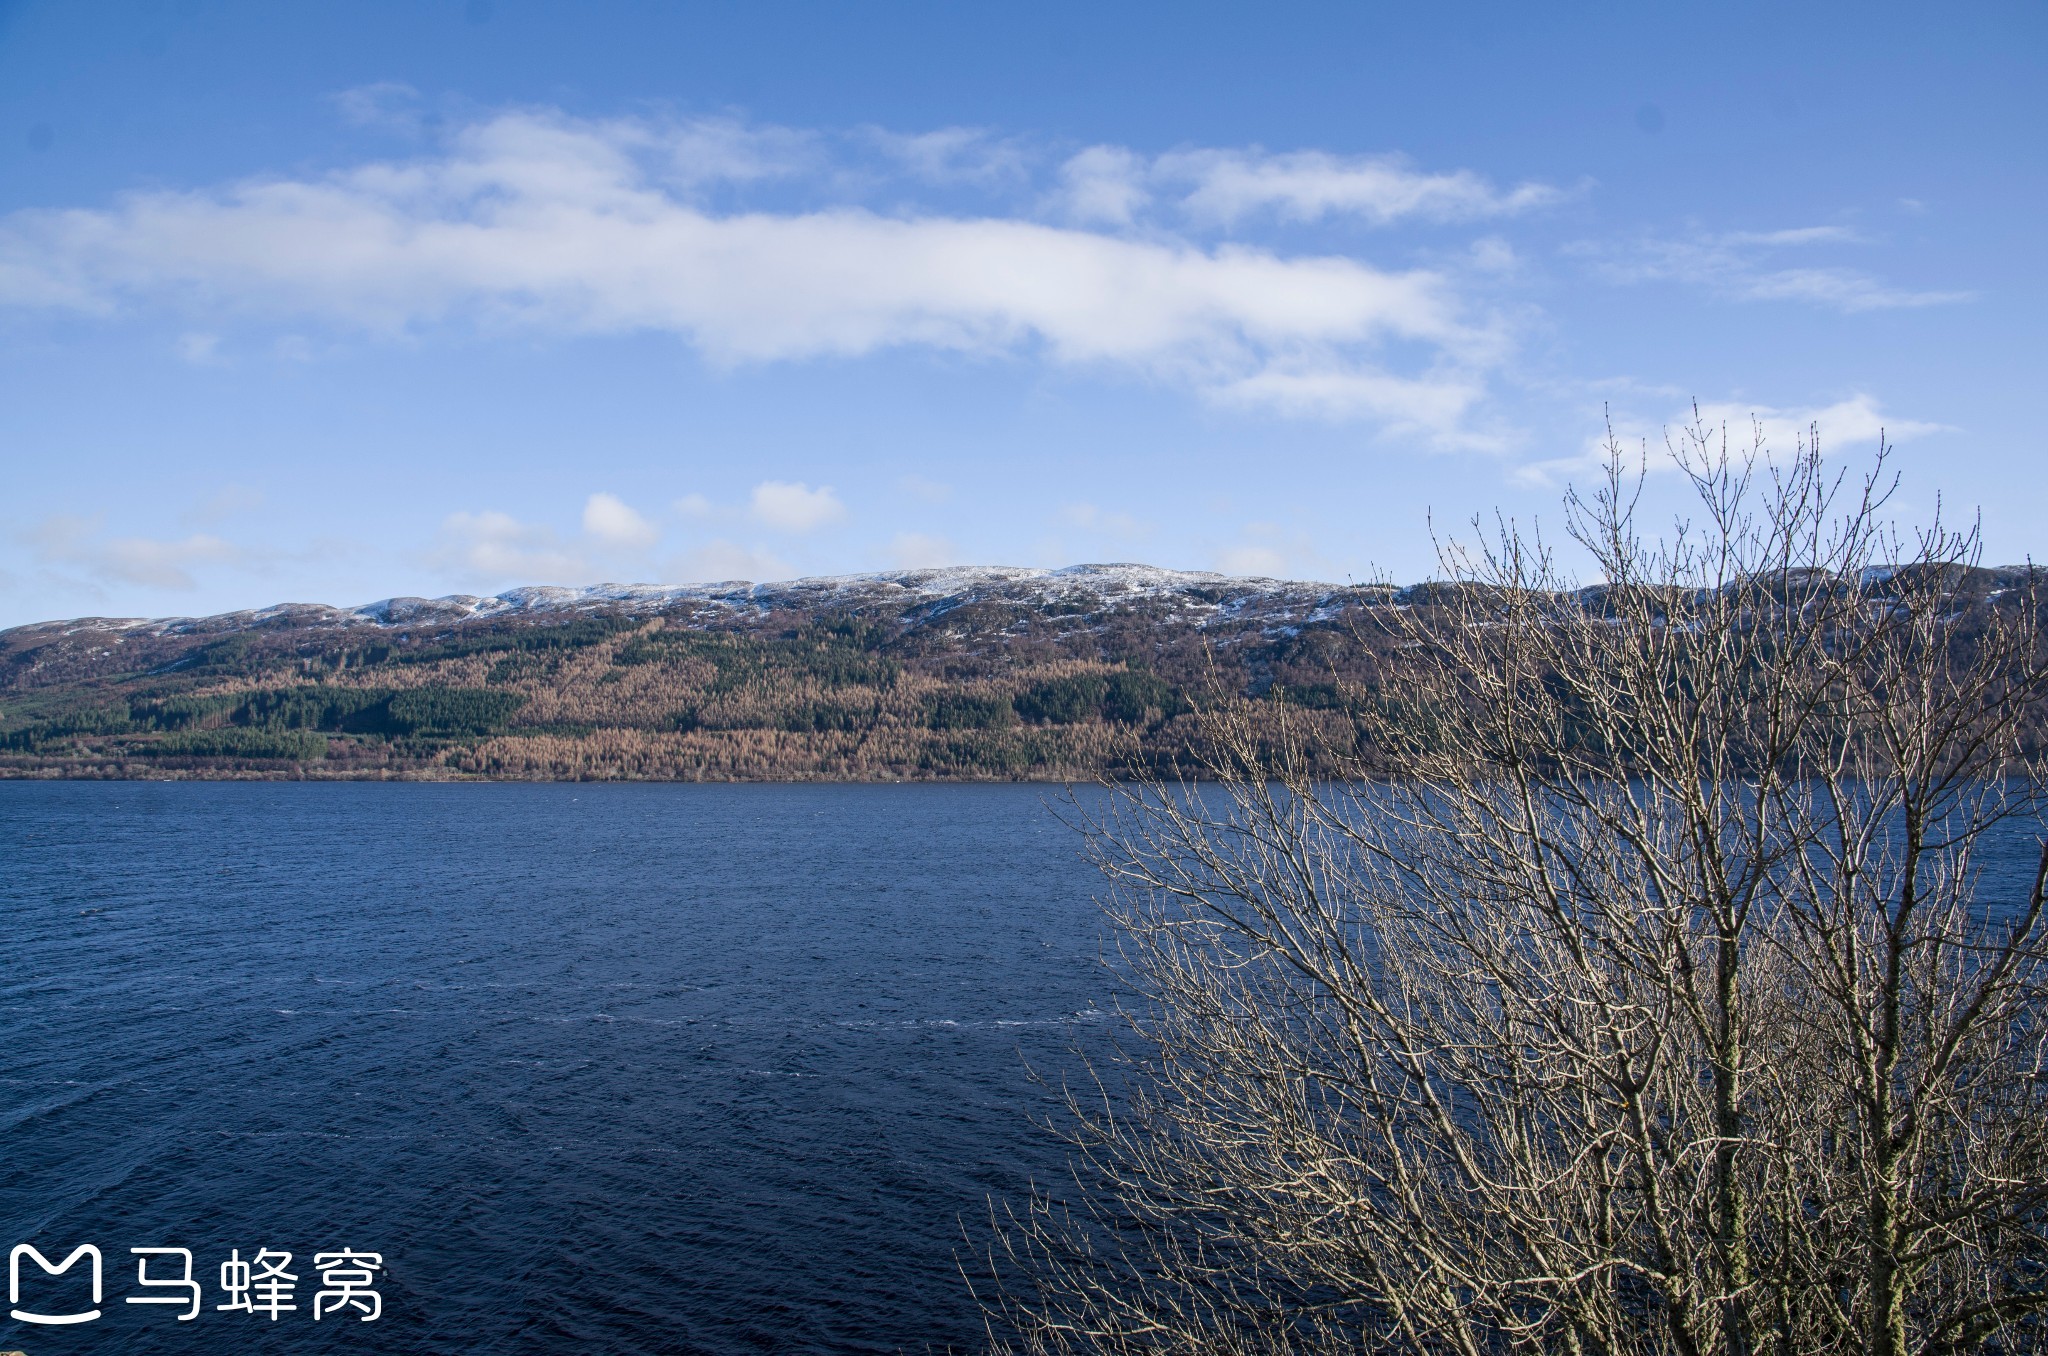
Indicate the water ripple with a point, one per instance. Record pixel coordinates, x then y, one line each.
601 1069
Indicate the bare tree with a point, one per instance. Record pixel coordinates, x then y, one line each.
1671 998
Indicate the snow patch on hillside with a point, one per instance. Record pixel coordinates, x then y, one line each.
1111 584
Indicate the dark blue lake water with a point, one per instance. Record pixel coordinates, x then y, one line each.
592 1069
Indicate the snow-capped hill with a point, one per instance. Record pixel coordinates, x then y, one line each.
953 584
969 672
934 589
909 596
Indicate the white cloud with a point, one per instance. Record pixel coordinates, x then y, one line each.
1736 265
1853 424
919 550
1588 462
1228 186
1842 288
1436 408
164 564
67 539
720 560
792 506
1103 184
952 155
541 222
493 548
1491 254
611 522
1112 184
1792 235
724 150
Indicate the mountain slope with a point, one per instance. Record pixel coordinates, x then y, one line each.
990 672
961 673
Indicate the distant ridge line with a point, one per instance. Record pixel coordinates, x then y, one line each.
936 587
936 584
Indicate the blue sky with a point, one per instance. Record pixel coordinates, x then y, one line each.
331 302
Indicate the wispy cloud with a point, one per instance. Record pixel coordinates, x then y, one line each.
792 506
1228 186
953 155
1855 423
1225 187
719 560
788 506
1745 266
1104 184
609 520
1437 409
81 542
490 548
1842 288
705 151
541 222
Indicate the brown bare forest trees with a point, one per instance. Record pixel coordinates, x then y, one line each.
1668 997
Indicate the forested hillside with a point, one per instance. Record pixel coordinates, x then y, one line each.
927 674
1016 674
